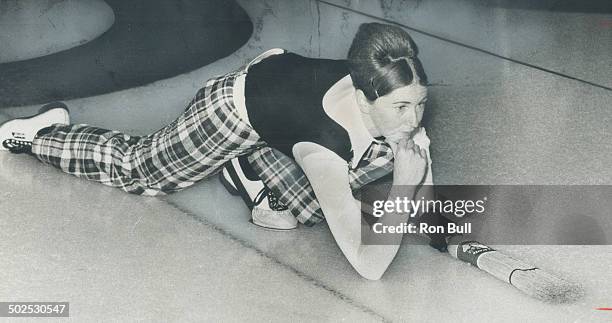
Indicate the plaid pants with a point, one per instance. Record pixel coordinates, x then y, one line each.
191 148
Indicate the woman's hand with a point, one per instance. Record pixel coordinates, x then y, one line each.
410 163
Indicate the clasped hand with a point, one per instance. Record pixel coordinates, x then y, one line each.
410 163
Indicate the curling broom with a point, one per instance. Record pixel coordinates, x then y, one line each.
529 279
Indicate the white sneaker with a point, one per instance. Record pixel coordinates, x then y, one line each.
266 210
17 135
271 214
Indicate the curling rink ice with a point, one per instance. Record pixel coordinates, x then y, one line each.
194 257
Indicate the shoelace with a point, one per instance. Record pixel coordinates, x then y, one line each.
273 201
17 146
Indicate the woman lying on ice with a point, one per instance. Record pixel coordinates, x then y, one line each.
305 126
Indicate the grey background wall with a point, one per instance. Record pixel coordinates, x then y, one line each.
517 117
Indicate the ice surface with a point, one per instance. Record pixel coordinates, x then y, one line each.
115 255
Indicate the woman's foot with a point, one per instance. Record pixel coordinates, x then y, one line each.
266 210
17 135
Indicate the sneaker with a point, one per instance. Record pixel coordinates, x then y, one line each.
266 210
269 213
17 135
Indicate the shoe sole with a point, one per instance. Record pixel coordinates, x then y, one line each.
269 228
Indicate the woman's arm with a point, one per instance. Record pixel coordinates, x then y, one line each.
328 175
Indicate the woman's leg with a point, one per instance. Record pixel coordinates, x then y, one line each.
91 153
284 177
189 149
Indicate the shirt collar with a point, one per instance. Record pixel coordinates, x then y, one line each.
340 104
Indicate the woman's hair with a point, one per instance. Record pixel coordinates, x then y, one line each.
379 60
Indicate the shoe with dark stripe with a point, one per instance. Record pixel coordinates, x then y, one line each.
266 210
17 135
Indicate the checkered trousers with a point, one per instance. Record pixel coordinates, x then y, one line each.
289 183
191 148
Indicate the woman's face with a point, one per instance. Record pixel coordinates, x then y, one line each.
398 114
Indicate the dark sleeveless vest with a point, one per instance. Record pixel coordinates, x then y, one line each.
283 97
